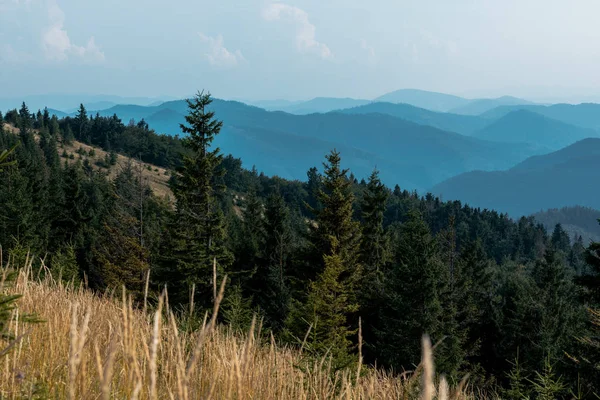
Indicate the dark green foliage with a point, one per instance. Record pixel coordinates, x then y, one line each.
197 229
413 290
332 301
317 254
560 240
375 247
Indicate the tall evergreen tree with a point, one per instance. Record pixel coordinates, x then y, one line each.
197 233
332 301
413 290
271 282
334 218
375 247
81 123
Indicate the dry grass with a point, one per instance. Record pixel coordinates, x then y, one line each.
97 347
152 175
156 177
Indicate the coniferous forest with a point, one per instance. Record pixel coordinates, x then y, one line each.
324 263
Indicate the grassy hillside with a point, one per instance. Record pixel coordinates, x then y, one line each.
559 179
101 347
526 126
156 177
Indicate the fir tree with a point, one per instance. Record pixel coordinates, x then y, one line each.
332 301
375 248
271 282
197 232
413 290
334 218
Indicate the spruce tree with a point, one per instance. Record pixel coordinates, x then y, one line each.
197 231
375 255
81 123
271 282
413 290
560 240
331 305
334 218
375 247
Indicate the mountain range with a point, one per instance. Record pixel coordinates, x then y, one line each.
439 102
412 155
567 177
511 157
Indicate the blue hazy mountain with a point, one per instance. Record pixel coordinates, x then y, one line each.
563 178
415 156
530 127
70 102
421 98
586 115
464 124
479 106
319 105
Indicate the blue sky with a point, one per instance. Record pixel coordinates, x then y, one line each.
299 49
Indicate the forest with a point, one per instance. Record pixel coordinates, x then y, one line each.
508 303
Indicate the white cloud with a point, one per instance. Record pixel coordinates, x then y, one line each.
58 46
305 31
219 56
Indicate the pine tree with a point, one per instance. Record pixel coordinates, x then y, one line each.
560 239
413 290
375 247
81 123
271 281
197 231
558 316
375 256
334 218
331 305
331 300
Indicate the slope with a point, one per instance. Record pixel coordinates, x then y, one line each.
421 98
526 126
464 124
477 107
429 155
577 221
563 178
586 115
320 105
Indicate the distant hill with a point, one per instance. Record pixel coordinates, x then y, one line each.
527 126
59 114
477 107
567 177
412 155
70 102
464 124
586 115
421 98
319 105
577 221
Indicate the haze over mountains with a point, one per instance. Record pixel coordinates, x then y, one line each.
567 177
502 153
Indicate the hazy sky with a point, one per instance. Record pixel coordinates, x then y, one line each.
259 49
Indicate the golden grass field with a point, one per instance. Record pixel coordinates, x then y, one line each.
101 347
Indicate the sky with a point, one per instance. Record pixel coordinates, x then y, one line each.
300 49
